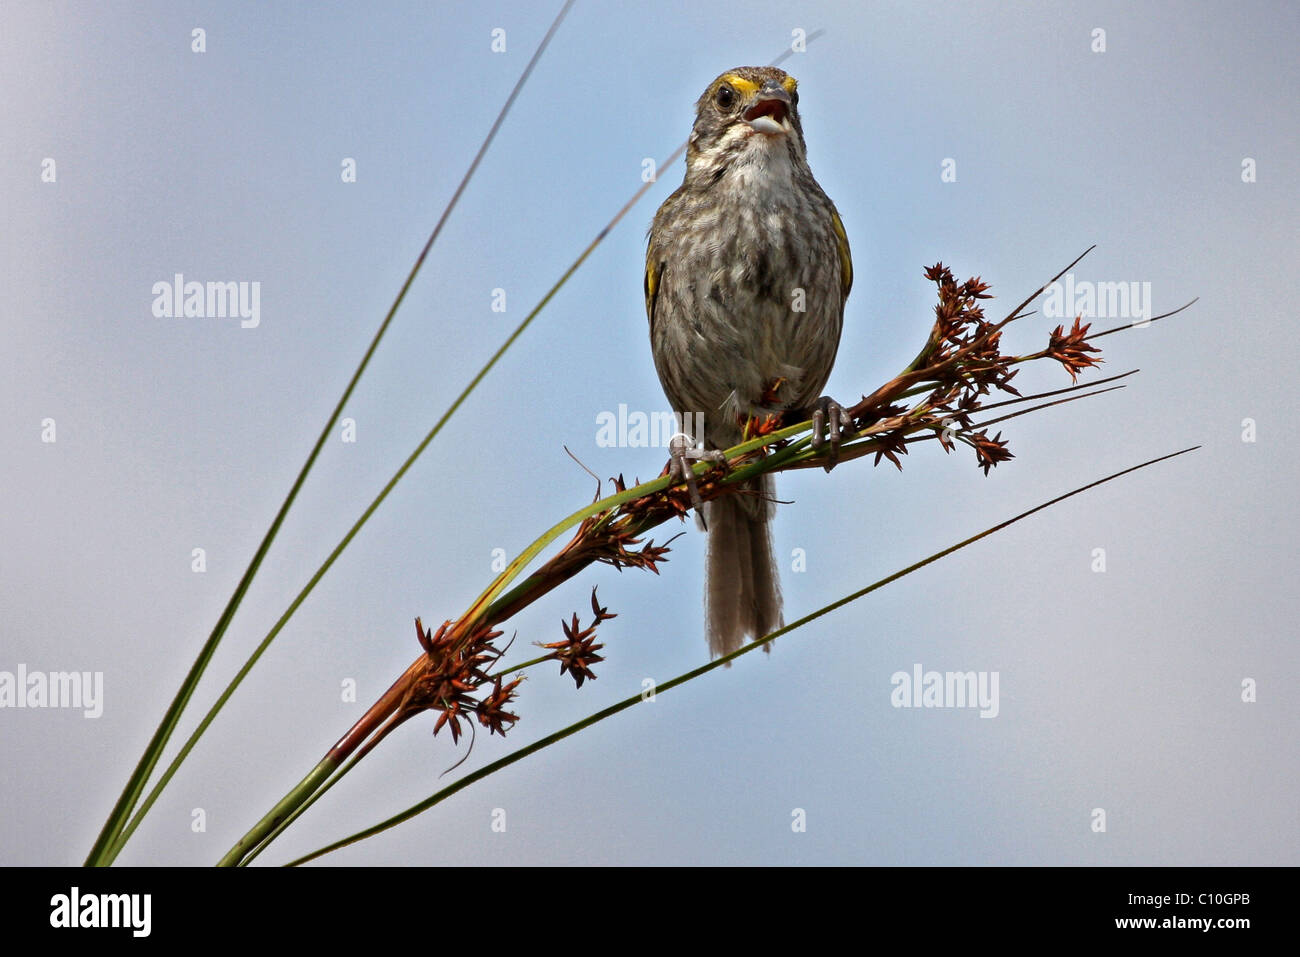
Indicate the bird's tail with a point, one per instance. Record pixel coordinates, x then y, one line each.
743 594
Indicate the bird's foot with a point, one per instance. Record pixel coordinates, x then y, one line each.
681 447
830 424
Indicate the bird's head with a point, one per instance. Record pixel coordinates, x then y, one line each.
751 109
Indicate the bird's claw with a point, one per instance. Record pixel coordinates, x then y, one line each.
830 424
680 448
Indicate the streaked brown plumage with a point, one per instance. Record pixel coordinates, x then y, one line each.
747 271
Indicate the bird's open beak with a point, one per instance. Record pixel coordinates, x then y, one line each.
770 112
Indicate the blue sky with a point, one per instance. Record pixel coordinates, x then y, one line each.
1119 690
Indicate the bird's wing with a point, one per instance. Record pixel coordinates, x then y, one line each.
653 277
846 260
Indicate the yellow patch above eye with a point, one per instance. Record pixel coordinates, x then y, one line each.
790 84
741 85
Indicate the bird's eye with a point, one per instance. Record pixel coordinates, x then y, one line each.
794 98
725 98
